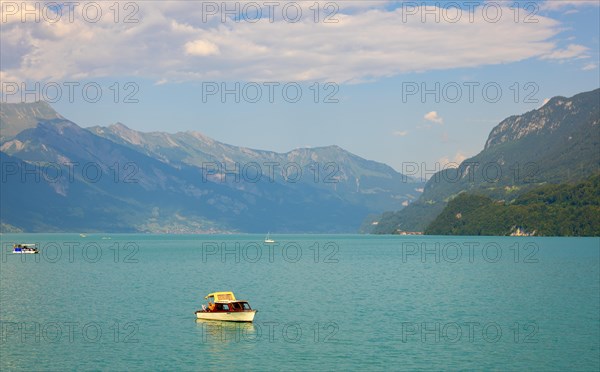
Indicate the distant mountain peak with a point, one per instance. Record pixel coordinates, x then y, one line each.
319 149
200 136
130 135
119 125
39 105
544 120
16 117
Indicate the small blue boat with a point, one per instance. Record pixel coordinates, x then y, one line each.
25 249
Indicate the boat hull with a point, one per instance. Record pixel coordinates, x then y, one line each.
233 316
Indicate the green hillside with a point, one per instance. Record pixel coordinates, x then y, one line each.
550 210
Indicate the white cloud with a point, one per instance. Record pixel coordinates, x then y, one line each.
447 162
433 117
589 66
572 51
175 41
201 48
560 4
400 133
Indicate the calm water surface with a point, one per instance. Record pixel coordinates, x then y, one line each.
127 302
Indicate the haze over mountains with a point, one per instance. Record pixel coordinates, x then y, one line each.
58 176
557 143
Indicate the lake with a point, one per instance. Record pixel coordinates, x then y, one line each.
346 302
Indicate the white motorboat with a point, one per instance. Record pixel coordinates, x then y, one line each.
226 308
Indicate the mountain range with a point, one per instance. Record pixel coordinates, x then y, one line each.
556 144
58 176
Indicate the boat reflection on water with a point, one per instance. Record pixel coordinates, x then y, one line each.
228 332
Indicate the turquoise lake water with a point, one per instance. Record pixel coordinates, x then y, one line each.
344 302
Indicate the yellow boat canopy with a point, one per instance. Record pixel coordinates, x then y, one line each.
221 296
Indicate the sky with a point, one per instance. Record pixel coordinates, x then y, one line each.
395 82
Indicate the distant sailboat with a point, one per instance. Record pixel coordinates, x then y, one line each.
268 239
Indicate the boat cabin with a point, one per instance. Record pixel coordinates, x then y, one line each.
225 302
232 306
